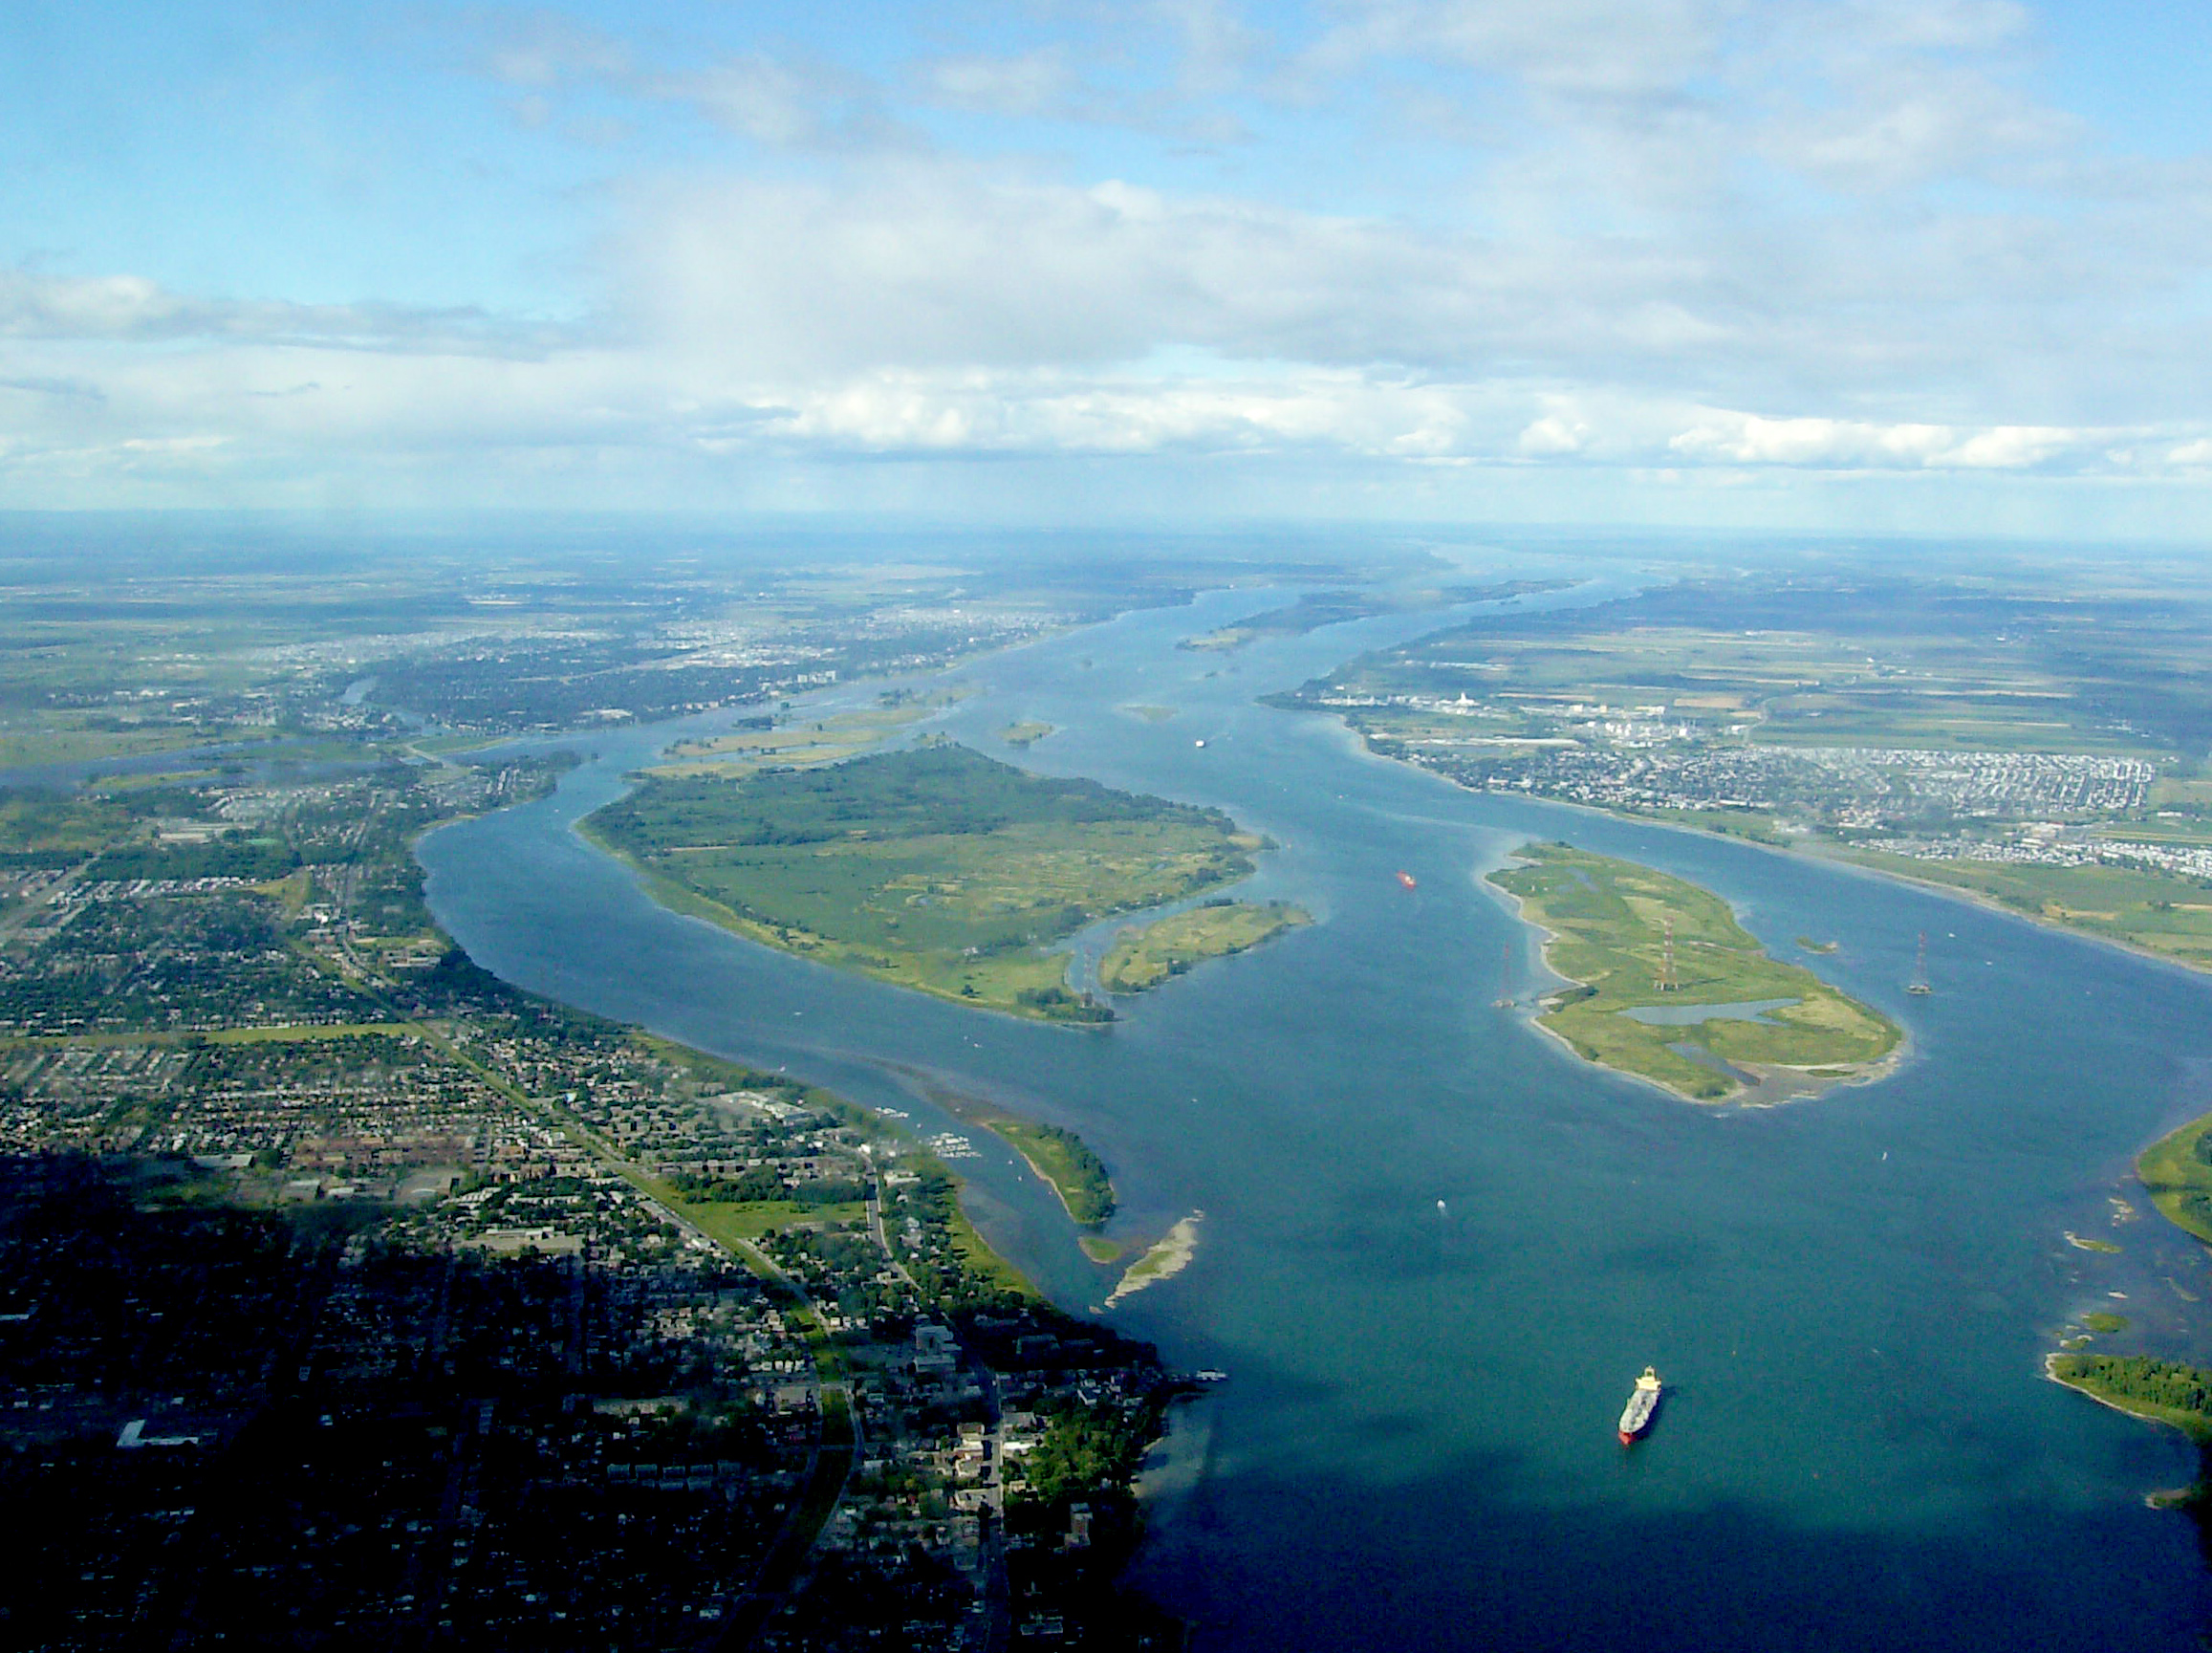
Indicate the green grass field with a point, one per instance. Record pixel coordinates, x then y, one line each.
2161 912
937 868
803 743
1143 956
2177 1173
1608 920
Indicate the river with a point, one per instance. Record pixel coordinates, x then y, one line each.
1849 1297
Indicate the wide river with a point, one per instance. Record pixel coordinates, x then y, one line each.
1849 1297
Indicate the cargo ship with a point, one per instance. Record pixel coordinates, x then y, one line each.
1643 1403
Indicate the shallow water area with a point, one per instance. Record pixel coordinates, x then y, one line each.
1438 1249
1690 1016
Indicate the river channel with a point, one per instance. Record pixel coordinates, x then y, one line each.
1849 1297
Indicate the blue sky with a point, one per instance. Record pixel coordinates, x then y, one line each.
1845 264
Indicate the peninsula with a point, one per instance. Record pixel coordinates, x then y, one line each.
1059 1157
2177 1173
934 867
1668 987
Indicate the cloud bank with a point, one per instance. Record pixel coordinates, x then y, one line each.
1659 238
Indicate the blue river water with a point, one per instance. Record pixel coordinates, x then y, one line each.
1850 1297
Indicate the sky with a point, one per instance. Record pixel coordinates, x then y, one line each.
1829 265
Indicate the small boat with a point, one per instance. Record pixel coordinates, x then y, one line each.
1642 1401
1406 879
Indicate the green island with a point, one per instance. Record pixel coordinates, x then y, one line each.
1026 733
1771 1031
1143 956
936 867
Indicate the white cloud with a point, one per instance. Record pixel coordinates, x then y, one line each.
133 309
1606 48
542 49
1747 439
1705 236
784 105
1027 83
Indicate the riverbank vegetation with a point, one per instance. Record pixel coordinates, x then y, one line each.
2177 1173
1056 1154
2037 741
2162 1391
1064 1160
1143 956
937 868
2161 912
1616 931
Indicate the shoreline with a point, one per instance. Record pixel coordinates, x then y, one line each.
1287 915
2051 1360
985 1116
2158 1498
1826 855
1815 850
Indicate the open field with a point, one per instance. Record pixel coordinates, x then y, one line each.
2162 913
936 868
1143 956
2038 739
1609 923
56 740
2176 1172
1837 660
800 743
